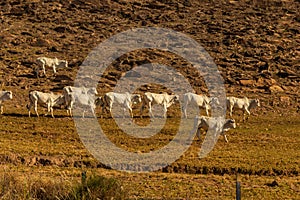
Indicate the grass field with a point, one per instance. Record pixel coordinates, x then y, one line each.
264 151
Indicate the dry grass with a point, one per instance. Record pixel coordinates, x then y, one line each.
261 150
92 186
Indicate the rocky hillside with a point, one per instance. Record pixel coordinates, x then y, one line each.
255 44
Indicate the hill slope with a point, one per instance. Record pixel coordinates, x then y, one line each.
254 44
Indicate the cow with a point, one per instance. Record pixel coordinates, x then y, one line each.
4 96
48 100
85 101
244 104
149 99
215 123
51 62
201 101
124 99
85 97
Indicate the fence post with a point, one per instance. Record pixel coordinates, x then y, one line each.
238 188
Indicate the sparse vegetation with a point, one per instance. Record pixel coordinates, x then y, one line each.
91 188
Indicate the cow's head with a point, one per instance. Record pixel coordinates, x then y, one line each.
136 98
9 94
93 91
257 102
65 63
232 123
175 98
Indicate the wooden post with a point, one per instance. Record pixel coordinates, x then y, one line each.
238 188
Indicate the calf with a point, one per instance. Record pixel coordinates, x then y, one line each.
51 62
217 124
48 100
4 96
163 99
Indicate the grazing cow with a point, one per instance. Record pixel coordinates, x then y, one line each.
217 124
241 103
4 95
201 101
85 97
124 99
51 62
163 99
48 100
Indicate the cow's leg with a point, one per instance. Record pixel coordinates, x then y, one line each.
93 111
110 107
69 112
70 108
51 110
37 71
35 108
28 108
225 137
131 114
206 110
150 110
54 68
184 108
83 113
230 110
247 111
44 69
165 110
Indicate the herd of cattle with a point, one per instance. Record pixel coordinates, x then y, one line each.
87 99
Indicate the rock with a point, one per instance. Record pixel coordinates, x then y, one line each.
275 89
245 82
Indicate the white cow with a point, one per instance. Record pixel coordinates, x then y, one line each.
201 101
124 99
85 101
51 62
241 103
164 99
84 97
4 95
217 124
48 100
